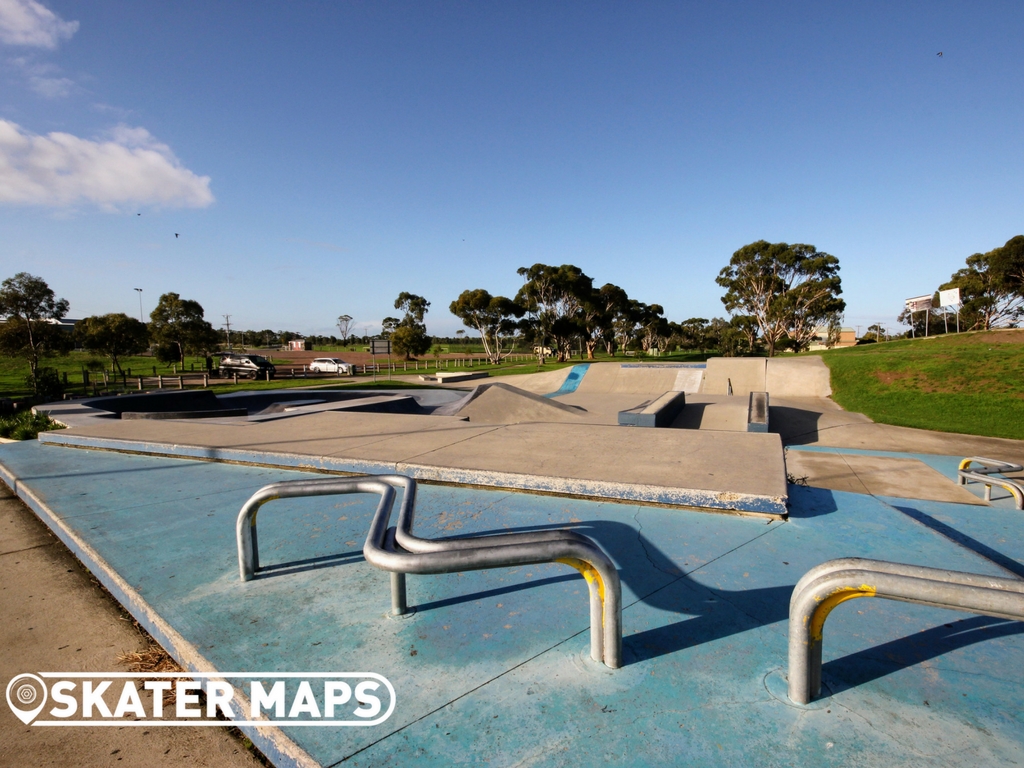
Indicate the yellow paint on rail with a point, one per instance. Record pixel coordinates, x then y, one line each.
829 602
592 576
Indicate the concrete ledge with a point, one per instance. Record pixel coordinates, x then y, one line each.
757 412
765 498
454 376
658 413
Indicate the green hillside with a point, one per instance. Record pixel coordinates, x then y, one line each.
972 383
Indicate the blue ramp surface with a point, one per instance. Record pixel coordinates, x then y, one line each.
493 665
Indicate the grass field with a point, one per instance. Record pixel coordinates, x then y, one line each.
972 383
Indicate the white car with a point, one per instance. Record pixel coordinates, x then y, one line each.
330 365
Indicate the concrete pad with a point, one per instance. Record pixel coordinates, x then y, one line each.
875 475
797 377
673 466
747 374
500 403
719 413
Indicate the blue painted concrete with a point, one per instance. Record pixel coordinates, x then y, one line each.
572 381
491 668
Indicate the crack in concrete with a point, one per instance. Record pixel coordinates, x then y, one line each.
647 554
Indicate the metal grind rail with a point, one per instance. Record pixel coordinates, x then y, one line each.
397 550
983 474
827 585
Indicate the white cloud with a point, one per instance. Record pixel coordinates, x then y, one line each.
60 170
44 78
28 22
52 87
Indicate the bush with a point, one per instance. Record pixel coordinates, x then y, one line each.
26 425
48 384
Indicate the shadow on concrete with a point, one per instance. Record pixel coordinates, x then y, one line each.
529 584
312 564
796 426
690 417
658 581
806 502
881 660
1004 562
771 603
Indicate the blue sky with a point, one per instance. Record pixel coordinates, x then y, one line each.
316 159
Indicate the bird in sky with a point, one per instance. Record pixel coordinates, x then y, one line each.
939 54
175 235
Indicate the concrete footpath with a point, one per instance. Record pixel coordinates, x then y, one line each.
56 618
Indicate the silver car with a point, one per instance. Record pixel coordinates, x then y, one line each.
330 365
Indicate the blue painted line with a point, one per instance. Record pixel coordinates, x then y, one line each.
572 381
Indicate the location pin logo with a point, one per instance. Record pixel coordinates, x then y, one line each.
23 692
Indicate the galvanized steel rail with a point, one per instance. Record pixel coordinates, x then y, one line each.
397 550
827 585
983 474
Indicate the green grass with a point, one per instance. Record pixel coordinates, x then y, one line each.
971 383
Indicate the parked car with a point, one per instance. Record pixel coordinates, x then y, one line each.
248 366
330 365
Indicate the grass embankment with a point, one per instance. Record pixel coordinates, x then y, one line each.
971 383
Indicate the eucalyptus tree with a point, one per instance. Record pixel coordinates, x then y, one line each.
495 318
115 335
992 286
409 336
555 296
178 327
788 289
32 329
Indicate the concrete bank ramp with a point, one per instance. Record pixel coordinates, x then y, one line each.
540 383
780 377
640 378
498 403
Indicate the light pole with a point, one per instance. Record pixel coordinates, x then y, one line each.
140 305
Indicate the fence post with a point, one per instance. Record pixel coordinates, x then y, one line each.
140 383
236 376
181 382
160 381
206 380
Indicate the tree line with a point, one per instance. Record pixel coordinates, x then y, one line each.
778 296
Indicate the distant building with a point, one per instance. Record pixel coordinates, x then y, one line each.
300 345
847 338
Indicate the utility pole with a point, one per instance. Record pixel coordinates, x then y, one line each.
141 318
227 327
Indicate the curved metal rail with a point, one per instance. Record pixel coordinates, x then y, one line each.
983 472
397 550
827 585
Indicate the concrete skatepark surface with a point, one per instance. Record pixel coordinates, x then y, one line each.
492 666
